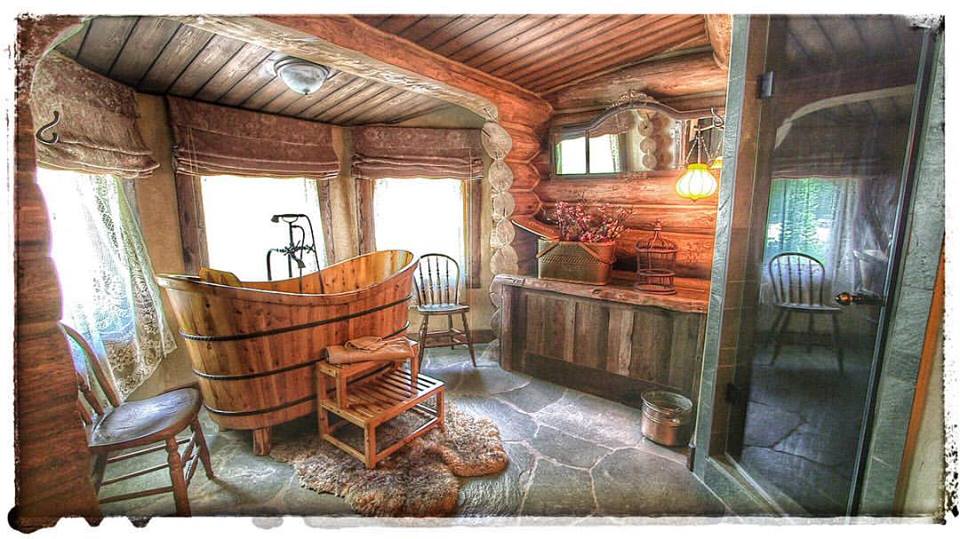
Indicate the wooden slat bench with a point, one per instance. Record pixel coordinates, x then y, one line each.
372 401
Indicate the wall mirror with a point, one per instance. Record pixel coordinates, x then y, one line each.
635 135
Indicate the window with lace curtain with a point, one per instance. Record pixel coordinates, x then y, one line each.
106 279
802 216
816 216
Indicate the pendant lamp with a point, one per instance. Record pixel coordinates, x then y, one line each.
696 182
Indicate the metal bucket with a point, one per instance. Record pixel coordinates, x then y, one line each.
666 417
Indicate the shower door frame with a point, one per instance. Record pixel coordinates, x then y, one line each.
873 488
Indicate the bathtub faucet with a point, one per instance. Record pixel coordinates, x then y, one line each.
296 247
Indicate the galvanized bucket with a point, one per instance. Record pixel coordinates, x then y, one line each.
666 417
574 261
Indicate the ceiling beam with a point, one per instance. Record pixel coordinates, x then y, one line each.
672 77
345 43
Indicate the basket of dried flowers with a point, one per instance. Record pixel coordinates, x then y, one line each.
586 247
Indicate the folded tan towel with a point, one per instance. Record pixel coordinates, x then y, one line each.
371 349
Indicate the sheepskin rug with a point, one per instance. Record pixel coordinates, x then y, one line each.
419 480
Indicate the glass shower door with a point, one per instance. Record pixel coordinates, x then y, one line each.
834 140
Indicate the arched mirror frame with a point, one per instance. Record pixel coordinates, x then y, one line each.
631 101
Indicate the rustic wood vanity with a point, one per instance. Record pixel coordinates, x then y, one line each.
611 340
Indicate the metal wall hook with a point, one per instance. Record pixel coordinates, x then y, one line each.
55 138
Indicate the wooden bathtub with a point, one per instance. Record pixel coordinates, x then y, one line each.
253 346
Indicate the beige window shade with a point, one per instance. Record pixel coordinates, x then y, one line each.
414 152
98 131
214 140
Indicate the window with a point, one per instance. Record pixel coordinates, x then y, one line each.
422 216
237 214
601 156
106 280
802 216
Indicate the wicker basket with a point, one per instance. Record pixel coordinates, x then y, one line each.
574 261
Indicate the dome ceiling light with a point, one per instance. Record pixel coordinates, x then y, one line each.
301 76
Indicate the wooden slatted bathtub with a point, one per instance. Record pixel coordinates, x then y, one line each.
253 346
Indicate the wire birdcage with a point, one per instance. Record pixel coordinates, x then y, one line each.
656 263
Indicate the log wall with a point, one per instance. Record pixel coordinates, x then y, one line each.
52 461
649 196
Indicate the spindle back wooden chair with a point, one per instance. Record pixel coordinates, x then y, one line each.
117 426
798 280
437 283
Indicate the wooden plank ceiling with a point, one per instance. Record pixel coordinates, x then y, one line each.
159 56
544 53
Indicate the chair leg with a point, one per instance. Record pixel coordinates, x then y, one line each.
777 337
424 324
837 341
453 340
176 477
99 467
466 333
810 333
771 339
202 446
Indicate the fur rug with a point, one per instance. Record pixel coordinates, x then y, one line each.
420 480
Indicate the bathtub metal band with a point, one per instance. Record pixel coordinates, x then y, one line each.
308 363
280 406
277 331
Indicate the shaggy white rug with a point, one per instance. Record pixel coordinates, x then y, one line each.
419 480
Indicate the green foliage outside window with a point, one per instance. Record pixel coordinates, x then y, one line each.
801 216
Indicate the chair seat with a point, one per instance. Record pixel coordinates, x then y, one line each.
442 308
805 307
147 420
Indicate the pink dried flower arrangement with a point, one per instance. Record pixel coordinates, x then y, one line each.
577 223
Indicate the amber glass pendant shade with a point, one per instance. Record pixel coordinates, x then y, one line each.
696 182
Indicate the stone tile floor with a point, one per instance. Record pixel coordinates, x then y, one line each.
802 427
571 455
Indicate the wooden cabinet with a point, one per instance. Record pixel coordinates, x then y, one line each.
611 340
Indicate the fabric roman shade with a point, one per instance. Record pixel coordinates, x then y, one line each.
414 152
213 140
98 130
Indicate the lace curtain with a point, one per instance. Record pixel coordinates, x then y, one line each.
818 217
107 281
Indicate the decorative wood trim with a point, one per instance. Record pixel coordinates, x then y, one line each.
931 338
193 236
326 219
474 205
366 226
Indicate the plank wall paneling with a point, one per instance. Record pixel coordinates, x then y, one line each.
545 52
615 346
158 55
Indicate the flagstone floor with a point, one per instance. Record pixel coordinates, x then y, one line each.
571 455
